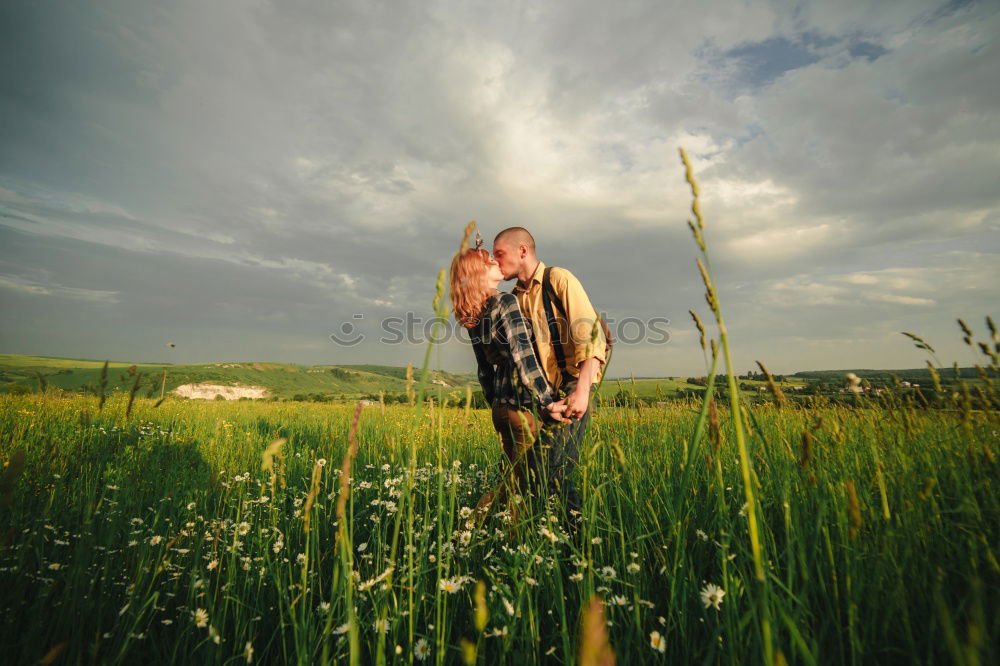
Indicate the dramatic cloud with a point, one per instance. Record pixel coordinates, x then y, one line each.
247 178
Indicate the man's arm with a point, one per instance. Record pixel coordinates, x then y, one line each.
581 317
589 352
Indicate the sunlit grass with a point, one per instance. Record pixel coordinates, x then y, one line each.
120 533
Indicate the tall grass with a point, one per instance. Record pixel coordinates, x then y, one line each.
851 585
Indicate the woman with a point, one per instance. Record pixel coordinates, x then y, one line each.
517 389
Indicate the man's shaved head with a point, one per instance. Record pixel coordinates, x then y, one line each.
514 250
515 236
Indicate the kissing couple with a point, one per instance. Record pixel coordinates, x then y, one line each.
540 350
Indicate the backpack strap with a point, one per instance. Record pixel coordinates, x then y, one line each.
549 298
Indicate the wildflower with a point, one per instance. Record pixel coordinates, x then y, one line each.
633 567
656 642
213 564
618 600
608 572
701 535
243 528
111 487
190 506
530 581
421 650
662 620
743 509
369 584
711 595
464 512
201 617
155 540
596 541
300 558
381 626
577 577
323 607
321 462
55 566
167 621
248 652
342 629
509 607
454 584
278 545
465 537
362 547
213 633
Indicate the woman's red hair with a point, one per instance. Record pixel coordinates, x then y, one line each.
469 291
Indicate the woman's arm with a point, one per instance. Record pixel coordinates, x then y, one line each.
514 329
485 371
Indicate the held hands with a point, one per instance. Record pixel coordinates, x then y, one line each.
577 403
554 411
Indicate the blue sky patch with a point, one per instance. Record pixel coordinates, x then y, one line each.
763 62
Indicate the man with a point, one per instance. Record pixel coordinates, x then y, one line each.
583 355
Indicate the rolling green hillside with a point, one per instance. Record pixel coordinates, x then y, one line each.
287 381
282 380
911 375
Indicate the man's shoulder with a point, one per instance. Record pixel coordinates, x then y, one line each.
560 277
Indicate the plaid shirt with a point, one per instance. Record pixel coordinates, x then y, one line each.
518 379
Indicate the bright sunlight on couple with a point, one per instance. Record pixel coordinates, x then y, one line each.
541 350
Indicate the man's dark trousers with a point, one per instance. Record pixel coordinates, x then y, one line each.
558 456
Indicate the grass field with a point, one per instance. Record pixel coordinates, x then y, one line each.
163 538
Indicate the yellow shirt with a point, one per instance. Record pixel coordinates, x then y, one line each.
578 343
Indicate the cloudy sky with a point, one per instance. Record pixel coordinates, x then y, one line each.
244 178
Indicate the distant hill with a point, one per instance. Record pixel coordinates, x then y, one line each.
281 380
909 375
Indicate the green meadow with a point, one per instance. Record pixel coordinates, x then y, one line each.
208 532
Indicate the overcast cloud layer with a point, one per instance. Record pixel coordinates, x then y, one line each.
241 178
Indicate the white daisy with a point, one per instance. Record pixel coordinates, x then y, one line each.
711 595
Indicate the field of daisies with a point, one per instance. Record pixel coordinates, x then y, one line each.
240 532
